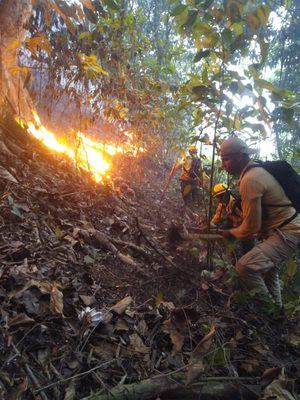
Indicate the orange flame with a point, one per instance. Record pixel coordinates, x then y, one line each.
90 155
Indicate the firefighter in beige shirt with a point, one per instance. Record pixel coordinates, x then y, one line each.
267 212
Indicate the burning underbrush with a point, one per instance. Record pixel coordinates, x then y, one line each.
92 156
94 298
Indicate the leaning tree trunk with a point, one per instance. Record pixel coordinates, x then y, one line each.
14 98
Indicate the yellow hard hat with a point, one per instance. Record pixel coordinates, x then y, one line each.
220 188
192 148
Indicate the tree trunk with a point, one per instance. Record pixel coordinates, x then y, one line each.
14 99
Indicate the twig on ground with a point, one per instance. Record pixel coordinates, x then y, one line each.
74 376
35 381
158 251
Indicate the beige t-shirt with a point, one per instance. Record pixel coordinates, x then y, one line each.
259 187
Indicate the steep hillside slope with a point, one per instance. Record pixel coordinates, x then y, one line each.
94 295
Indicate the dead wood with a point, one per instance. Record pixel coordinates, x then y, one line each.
173 388
132 246
100 239
177 234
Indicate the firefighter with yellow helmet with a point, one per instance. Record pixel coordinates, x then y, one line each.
229 215
229 211
191 177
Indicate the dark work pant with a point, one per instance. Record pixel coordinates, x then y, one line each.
191 193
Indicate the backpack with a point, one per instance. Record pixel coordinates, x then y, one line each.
237 201
286 176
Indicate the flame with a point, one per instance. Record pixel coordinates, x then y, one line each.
90 155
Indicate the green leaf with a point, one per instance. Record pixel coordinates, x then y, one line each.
291 268
178 10
192 16
112 5
237 27
201 54
201 90
204 76
265 84
219 356
88 260
227 36
254 71
201 28
10 200
198 115
194 252
263 13
58 232
84 35
15 210
159 298
182 18
234 87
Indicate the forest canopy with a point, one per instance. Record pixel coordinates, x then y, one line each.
172 72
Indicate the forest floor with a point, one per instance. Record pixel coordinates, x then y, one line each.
100 299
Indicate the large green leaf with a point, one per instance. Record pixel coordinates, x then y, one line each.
227 36
178 10
263 12
112 4
192 16
237 27
265 84
201 54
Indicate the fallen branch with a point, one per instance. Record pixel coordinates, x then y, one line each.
173 387
101 239
35 382
132 246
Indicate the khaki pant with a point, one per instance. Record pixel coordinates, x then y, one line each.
191 193
259 268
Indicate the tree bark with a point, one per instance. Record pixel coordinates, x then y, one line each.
14 98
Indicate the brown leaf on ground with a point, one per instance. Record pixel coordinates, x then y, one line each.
87 300
277 391
250 366
121 325
137 345
175 335
4 174
293 339
56 300
196 365
195 369
20 320
17 392
269 375
121 306
204 345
